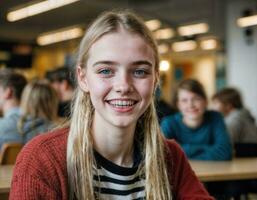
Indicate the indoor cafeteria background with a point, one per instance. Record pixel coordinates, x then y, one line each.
229 59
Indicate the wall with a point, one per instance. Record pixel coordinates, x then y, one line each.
200 66
49 57
241 56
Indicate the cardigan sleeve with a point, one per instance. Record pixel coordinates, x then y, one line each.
186 186
39 172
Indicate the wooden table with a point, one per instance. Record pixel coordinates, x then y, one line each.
237 169
5 178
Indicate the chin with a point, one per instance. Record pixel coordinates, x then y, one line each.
194 117
123 123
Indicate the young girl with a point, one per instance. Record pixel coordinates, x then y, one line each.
39 104
113 148
202 134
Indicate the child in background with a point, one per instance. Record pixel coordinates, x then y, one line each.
113 148
201 133
39 105
239 121
62 81
11 87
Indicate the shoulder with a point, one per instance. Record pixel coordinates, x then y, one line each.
3 122
8 125
173 150
45 149
41 168
171 118
185 184
56 137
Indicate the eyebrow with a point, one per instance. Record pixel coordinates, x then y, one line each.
143 62
106 62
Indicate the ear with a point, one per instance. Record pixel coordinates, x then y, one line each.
82 79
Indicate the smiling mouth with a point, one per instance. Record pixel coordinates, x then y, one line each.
122 103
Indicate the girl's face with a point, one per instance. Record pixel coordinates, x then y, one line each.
120 77
191 105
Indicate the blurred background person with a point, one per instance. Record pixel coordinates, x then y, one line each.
39 105
163 109
239 121
61 81
11 87
201 133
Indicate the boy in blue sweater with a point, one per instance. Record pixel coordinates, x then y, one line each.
202 134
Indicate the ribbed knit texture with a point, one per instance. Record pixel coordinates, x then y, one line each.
40 172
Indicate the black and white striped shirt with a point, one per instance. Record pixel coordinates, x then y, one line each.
113 182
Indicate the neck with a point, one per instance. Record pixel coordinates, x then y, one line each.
9 105
114 143
193 123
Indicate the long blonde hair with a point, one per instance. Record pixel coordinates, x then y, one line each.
38 100
80 158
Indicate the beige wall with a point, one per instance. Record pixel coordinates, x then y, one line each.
204 70
49 57
201 67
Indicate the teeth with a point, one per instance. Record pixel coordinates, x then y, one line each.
122 102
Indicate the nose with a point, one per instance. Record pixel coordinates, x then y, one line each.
190 103
123 83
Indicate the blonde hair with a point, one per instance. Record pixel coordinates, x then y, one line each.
38 100
80 157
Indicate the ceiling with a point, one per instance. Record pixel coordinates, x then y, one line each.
171 12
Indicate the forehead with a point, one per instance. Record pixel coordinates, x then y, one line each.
187 93
121 46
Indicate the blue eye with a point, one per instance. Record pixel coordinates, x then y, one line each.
105 72
140 72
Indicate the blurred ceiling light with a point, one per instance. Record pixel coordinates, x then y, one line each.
163 48
153 24
193 29
36 8
184 46
209 44
164 65
58 36
163 34
247 21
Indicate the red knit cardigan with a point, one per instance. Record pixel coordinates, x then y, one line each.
40 171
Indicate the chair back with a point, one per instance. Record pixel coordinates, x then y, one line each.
9 152
245 150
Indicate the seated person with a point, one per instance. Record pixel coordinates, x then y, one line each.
62 82
240 123
37 113
11 87
39 105
201 133
162 108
